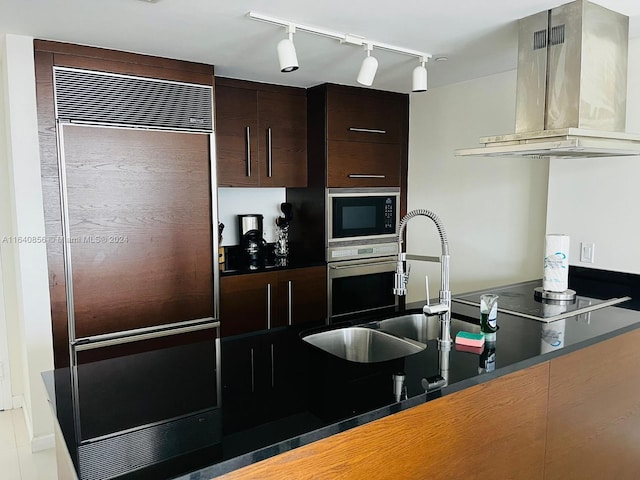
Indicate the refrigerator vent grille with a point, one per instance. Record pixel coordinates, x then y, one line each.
106 98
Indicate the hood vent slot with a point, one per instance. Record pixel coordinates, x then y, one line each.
557 35
540 39
85 96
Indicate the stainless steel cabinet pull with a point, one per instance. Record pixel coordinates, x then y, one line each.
248 140
367 130
269 154
365 175
289 302
268 305
253 378
273 368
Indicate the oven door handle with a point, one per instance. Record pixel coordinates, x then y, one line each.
360 265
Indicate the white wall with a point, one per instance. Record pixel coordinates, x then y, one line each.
238 201
22 204
596 200
492 209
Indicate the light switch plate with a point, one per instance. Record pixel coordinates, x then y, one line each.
587 252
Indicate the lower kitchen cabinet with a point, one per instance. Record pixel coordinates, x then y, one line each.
265 300
259 378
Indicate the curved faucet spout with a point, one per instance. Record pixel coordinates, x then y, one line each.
443 308
425 213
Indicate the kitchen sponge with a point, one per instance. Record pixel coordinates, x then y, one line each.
470 339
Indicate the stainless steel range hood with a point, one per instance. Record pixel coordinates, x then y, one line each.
572 87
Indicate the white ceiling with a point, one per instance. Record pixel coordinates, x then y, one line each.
478 37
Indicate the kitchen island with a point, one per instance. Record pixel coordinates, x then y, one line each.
531 408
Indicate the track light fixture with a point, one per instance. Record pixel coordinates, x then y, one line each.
287 52
420 77
368 68
289 61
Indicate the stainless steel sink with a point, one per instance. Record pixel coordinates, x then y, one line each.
363 345
422 328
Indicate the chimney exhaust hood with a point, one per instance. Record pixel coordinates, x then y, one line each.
571 89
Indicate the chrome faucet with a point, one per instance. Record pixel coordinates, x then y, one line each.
443 307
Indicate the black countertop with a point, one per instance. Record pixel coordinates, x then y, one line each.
279 393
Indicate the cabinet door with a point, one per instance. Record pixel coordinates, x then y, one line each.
302 295
360 164
364 117
282 126
247 302
239 383
237 136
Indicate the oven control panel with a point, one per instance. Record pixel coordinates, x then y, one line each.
337 254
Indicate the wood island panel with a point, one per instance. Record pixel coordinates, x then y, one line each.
594 412
496 428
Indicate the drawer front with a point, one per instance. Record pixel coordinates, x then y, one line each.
358 164
364 118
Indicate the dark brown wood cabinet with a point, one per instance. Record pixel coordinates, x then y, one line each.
261 137
138 209
265 300
357 137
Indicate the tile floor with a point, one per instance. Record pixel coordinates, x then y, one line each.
16 460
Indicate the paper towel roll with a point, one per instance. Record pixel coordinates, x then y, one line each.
556 263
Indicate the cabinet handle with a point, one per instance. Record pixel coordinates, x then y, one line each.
289 302
253 385
268 305
367 130
269 154
248 141
273 370
365 175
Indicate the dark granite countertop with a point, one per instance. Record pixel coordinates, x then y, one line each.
279 393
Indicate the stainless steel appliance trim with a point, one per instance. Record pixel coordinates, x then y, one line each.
146 333
66 235
367 130
247 134
366 175
269 154
289 302
344 267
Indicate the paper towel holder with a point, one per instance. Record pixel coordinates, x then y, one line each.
567 296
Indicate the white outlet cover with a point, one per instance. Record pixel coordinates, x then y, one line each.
587 252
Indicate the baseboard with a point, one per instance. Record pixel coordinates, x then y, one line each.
44 442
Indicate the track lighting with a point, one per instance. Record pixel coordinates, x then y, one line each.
287 52
368 68
420 77
289 61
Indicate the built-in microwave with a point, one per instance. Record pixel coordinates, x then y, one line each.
369 214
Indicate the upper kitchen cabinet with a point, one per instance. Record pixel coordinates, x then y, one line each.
261 137
357 137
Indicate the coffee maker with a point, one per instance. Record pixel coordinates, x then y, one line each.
251 241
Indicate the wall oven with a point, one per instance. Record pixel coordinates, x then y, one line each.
361 249
357 286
